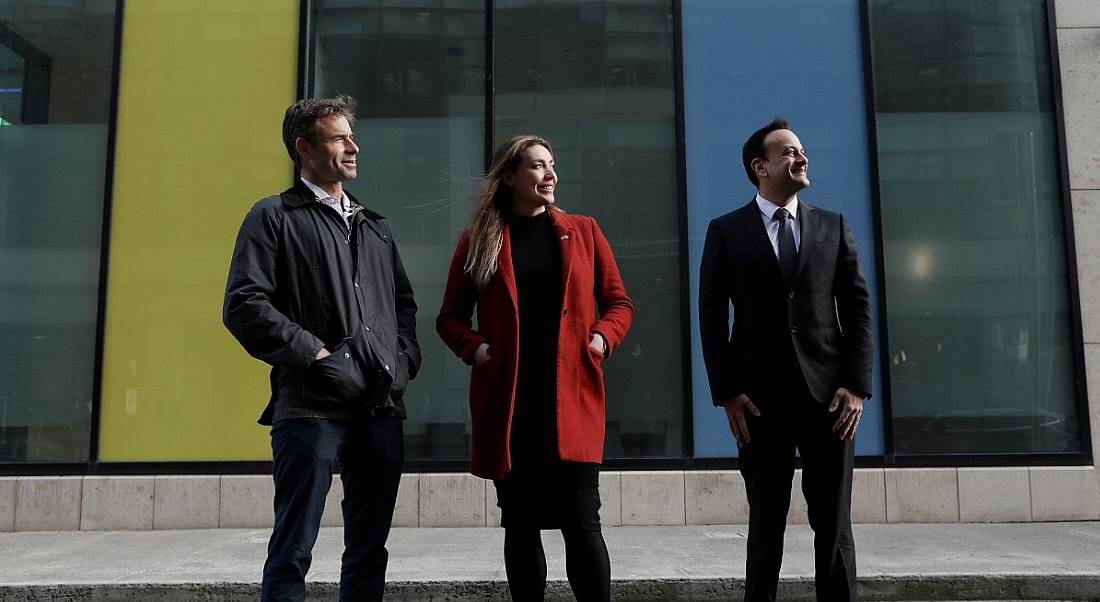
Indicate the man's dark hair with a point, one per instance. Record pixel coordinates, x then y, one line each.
301 119
754 146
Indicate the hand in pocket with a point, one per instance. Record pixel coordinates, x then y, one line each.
481 354
335 378
597 345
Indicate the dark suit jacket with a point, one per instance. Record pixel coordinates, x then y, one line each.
825 315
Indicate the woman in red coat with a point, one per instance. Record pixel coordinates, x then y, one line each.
550 307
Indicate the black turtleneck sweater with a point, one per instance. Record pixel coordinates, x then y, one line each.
536 260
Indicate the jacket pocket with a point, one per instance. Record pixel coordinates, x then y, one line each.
830 341
349 376
595 359
400 377
595 355
336 378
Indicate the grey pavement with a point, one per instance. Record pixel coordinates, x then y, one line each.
1021 561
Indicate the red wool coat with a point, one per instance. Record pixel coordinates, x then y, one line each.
587 267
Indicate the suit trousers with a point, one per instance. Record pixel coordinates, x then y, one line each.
368 452
790 418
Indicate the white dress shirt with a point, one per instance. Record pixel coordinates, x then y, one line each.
342 205
767 210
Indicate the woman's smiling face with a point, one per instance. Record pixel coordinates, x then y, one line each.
533 182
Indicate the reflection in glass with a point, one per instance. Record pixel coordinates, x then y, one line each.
981 356
596 79
417 71
55 79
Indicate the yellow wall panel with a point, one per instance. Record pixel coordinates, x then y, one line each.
203 87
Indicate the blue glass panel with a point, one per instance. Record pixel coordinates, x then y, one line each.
744 63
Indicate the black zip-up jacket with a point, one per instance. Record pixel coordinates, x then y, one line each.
301 279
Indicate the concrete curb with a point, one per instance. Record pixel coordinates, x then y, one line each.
884 589
980 587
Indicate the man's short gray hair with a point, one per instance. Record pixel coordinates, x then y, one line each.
301 119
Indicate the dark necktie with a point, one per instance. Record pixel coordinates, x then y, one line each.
788 256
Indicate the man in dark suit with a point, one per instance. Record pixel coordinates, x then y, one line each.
795 369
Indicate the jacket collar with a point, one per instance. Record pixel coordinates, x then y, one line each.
807 218
299 195
759 240
807 233
504 266
564 227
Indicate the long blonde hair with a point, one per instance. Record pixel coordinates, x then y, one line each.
493 203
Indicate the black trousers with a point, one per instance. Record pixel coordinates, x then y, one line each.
791 419
306 451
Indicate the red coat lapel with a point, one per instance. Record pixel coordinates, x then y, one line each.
507 272
565 242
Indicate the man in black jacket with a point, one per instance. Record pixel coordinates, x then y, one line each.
317 289
797 366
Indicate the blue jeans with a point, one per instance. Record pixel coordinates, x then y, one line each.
305 451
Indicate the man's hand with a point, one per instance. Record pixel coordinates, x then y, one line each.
735 415
481 354
851 408
597 344
323 353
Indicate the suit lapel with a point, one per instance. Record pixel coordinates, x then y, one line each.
565 242
758 238
807 218
507 272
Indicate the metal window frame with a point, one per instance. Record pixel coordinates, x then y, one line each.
490 83
876 219
105 243
688 450
1072 273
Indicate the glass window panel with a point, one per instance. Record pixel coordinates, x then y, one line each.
417 70
13 75
981 352
55 81
596 79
